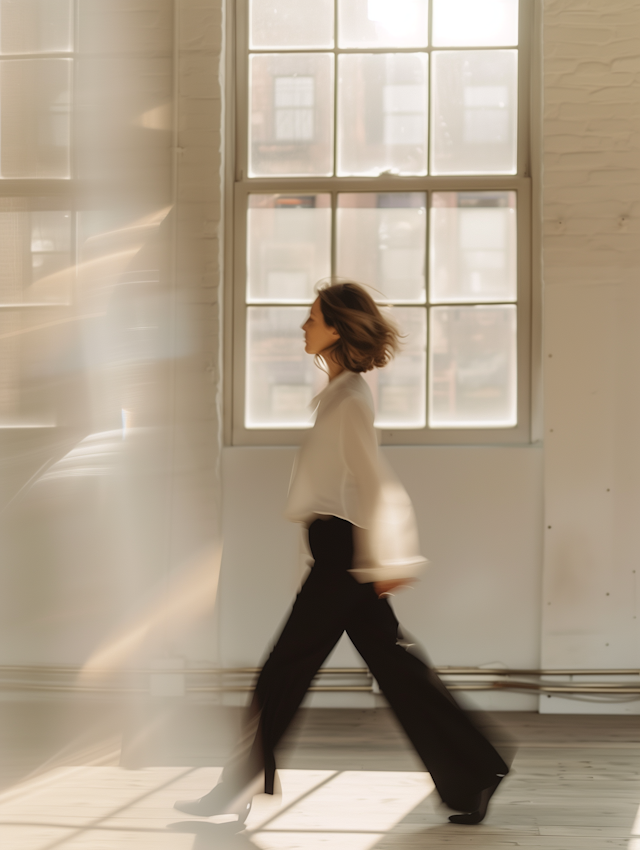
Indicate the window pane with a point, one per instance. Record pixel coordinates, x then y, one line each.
382 113
475 112
281 378
472 369
399 389
34 118
35 251
470 23
383 23
381 242
291 114
35 26
473 247
34 363
291 23
288 246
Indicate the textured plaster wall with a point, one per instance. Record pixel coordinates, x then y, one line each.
591 255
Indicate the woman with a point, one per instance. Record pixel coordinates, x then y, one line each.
364 544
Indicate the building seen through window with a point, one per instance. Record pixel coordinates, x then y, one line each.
293 100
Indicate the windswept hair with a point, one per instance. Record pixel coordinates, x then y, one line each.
368 339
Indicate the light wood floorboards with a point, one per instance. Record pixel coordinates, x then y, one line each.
98 777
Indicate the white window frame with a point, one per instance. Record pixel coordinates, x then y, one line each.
238 187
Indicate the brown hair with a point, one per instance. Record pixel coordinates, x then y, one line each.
367 338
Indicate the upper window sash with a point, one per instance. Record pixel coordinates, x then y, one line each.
399 85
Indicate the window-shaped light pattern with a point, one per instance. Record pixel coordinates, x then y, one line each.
36 266
35 26
343 91
35 89
35 118
36 273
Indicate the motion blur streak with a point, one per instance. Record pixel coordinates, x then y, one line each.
110 339
186 596
50 325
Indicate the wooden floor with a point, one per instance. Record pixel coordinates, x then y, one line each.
89 777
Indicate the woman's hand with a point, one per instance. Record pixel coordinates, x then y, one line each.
385 588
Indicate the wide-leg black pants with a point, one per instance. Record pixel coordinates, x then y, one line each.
459 758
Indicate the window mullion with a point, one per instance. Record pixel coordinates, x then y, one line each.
334 232
427 280
242 89
524 94
334 193
335 91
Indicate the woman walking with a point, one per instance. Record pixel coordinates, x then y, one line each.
364 544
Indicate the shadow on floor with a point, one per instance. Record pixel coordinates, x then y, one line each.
222 836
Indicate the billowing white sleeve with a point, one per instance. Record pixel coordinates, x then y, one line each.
359 453
386 539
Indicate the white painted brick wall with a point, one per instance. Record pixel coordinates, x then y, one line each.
591 257
591 141
199 278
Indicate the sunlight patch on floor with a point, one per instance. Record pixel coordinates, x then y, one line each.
315 840
107 807
634 843
352 810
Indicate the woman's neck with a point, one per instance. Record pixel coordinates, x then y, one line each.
333 367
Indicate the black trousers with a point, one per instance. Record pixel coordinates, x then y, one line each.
459 758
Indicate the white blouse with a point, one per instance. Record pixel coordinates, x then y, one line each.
339 472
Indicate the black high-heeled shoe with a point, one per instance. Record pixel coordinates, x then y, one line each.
219 801
473 818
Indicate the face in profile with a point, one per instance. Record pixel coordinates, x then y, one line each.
318 335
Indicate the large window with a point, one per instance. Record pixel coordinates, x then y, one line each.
37 228
385 141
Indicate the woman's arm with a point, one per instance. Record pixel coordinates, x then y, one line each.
386 588
385 538
359 450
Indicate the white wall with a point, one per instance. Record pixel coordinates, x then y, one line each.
591 251
68 578
479 512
